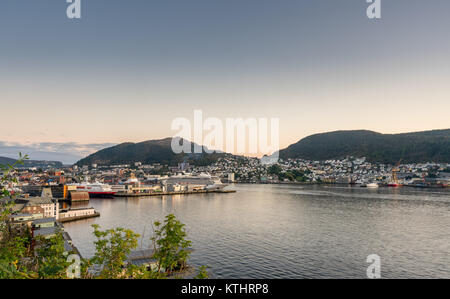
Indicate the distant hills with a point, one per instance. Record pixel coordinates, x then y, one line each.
376 147
147 152
32 163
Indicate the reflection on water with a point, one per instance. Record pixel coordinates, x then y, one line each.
286 231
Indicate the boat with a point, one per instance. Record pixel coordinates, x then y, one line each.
372 185
369 185
203 181
96 189
394 185
216 184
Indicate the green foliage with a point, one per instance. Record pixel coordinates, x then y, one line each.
170 244
12 251
51 257
202 273
274 169
14 245
6 178
291 175
112 247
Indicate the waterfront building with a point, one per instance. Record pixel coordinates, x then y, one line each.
40 205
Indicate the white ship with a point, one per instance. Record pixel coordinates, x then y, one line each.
96 189
216 184
372 185
209 182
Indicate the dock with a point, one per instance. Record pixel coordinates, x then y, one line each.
75 218
120 194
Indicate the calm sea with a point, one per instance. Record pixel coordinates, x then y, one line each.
287 231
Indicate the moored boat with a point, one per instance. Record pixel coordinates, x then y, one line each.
372 185
394 185
96 189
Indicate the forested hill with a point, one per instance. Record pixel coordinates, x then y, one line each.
147 152
414 147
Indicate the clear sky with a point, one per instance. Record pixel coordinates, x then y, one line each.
128 68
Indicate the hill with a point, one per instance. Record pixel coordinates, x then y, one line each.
32 163
147 152
414 147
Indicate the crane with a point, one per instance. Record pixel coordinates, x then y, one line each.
395 182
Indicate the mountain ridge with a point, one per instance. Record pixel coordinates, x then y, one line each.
150 151
413 147
31 163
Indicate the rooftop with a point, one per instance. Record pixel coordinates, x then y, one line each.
44 220
21 215
45 231
39 201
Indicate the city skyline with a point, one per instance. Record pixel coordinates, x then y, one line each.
123 73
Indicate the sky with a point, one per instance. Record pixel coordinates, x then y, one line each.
127 69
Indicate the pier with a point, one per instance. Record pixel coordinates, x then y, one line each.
75 218
77 214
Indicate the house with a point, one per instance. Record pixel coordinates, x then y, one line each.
23 221
41 205
44 222
46 232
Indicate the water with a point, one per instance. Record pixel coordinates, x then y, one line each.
287 231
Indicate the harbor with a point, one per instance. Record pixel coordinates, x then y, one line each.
293 231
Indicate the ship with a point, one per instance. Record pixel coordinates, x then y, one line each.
207 181
96 189
369 185
394 184
372 185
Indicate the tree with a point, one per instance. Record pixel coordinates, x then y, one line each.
202 273
14 244
12 251
112 247
275 169
51 257
170 245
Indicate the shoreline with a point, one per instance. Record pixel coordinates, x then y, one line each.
172 193
339 184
